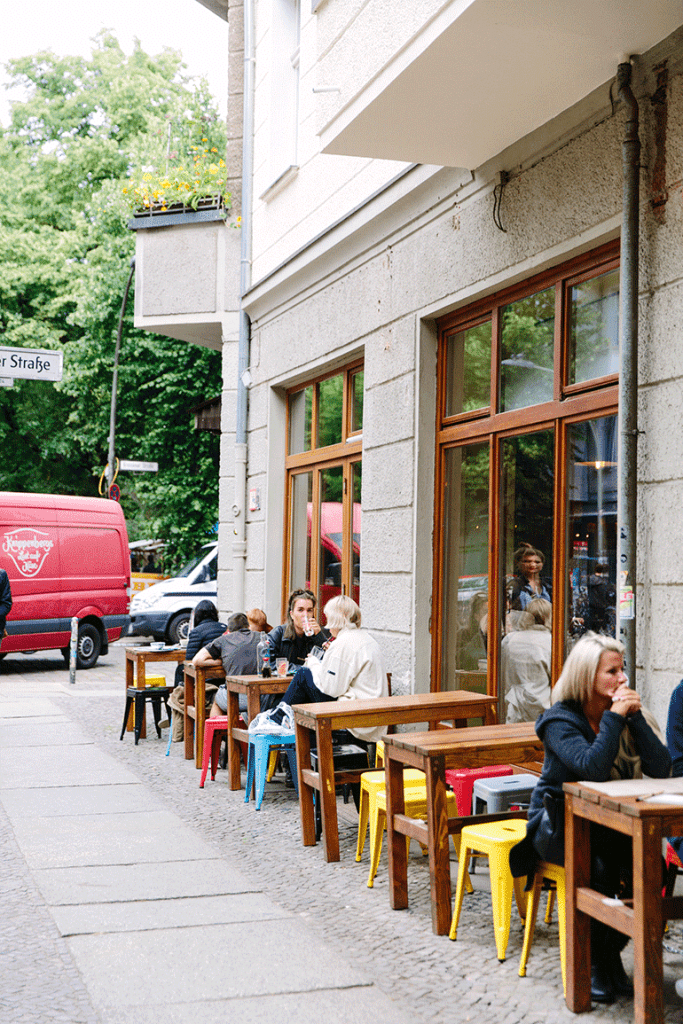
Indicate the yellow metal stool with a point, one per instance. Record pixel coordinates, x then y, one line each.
155 681
495 839
552 873
415 807
372 783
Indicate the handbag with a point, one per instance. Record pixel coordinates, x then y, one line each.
549 836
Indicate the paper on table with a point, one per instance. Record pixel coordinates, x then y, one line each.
643 788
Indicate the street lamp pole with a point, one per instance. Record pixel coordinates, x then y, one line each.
115 379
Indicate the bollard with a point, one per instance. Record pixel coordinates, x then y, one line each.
73 649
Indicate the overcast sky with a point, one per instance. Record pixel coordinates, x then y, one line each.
67 27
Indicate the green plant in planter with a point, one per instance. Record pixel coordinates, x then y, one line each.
204 178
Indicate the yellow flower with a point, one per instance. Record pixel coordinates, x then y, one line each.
221 163
205 140
213 149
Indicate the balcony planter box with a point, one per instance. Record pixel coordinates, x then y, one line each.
210 209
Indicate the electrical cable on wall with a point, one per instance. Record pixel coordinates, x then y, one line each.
503 178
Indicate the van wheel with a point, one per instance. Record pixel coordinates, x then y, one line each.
179 628
89 646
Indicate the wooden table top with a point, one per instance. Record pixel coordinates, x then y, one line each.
629 796
147 654
516 742
375 710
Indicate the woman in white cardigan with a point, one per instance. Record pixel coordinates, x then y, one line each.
352 667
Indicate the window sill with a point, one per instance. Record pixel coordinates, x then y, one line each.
280 183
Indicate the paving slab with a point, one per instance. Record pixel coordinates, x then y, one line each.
39 732
150 915
256 961
89 839
12 708
121 883
65 800
63 766
362 1005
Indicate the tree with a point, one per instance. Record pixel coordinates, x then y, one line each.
85 126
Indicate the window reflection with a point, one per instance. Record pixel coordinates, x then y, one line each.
300 406
300 530
465 570
592 527
330 551
527 347
468 369
330 410
594 328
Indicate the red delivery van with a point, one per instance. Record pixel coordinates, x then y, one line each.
64 556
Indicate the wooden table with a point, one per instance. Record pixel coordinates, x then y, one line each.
194 712
136 661
641 918
432 753
454 705
254 687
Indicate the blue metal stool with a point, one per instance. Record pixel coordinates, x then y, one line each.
260 746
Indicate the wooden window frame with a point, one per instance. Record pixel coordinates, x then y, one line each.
346 453
571 403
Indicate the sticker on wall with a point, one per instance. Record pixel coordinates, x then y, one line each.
626 598
28 549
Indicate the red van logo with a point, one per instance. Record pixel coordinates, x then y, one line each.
28 549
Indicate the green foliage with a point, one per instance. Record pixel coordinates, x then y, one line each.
85 127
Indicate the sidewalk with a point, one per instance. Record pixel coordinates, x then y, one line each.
130 895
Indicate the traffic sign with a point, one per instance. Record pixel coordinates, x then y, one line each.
31 363
139 467
115 492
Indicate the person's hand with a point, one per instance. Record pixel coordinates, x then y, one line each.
312 626
625 701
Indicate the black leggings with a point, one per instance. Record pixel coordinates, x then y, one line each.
612 875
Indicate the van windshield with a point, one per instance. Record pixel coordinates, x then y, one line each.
192 564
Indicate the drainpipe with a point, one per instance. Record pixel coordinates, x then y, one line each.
628 373
239 544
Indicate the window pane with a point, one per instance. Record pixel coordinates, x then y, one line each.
300 405
357 401
465 570
331 553
592 527
301 496
527 344
594 328
468 369
330 418
356 478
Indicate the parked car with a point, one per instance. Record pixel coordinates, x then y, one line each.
163 610
65 556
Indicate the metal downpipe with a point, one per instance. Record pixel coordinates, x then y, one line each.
628 374
239 544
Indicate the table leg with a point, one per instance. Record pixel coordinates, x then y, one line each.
141 682
139 716
577 853
200 716
188 722
648 1003
396 843
327 795
253 704
130 683
303 761
234 773
437 841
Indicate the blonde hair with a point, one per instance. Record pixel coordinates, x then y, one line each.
341 612
541 610
578 675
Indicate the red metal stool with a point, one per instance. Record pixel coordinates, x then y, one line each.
212 744
461 781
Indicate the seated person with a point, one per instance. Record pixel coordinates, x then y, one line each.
258 621
352 668
204 627
674 741
525 663
300 633
236 651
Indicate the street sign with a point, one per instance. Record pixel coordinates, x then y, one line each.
6 382
30 363
139 467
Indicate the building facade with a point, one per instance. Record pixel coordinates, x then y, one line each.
435 214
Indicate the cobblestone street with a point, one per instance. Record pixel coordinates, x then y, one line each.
429 977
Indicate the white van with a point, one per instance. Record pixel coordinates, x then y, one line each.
163 610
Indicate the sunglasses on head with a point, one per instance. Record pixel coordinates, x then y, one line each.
301 593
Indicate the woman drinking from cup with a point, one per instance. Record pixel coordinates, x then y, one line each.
299 634
595 730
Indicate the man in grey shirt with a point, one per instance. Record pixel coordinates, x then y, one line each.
236 652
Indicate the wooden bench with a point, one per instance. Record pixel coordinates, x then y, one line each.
453 706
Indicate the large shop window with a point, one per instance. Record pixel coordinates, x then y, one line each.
323 504
526 473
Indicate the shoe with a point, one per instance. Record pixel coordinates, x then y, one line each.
289 781
620 981
602 989
679 987
164 723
